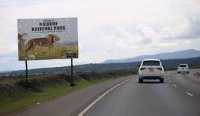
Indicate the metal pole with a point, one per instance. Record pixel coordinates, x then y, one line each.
72 74
26 84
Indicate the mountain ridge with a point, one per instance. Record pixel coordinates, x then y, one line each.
190 53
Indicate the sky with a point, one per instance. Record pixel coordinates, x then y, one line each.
107 29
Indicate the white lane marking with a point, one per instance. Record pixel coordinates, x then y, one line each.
190 94
99 98
175 85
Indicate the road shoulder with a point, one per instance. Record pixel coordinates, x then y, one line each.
71 104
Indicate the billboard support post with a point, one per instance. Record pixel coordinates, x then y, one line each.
72 74
59 37
26 83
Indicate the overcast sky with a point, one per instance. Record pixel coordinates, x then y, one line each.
108 29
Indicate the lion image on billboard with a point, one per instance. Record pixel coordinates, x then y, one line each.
53 38
45 42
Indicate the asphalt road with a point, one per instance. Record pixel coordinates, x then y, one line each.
70 104
178 96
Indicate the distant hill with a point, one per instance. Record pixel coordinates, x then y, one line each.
171 64
191 53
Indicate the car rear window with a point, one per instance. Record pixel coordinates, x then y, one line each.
151 63
183 65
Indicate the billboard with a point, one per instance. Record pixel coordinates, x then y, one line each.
48 38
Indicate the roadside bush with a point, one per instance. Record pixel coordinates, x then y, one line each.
17 86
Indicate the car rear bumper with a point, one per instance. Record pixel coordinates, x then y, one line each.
183 70
151 76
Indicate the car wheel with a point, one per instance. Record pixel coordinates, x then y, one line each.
188 72
140 80
178 72
161 80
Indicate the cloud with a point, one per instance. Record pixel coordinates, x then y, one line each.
186 27
107 29
147 33
194 29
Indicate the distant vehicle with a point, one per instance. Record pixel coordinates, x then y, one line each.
151 69
183 68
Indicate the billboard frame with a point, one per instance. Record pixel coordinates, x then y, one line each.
67 55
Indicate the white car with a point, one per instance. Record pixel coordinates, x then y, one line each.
183 68
151 69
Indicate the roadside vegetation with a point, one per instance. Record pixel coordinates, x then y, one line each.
14 96
168 65
46 83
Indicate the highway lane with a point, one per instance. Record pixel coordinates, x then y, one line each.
187 82
178 96
71 103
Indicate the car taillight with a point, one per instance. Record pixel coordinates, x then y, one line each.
159 68
142 68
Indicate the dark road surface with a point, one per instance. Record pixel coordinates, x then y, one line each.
178 96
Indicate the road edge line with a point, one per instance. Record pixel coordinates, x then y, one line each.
189 94
100 97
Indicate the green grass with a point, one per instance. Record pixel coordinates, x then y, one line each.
13 95
48 92
55 52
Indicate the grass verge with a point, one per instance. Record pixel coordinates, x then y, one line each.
13 96
48 92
